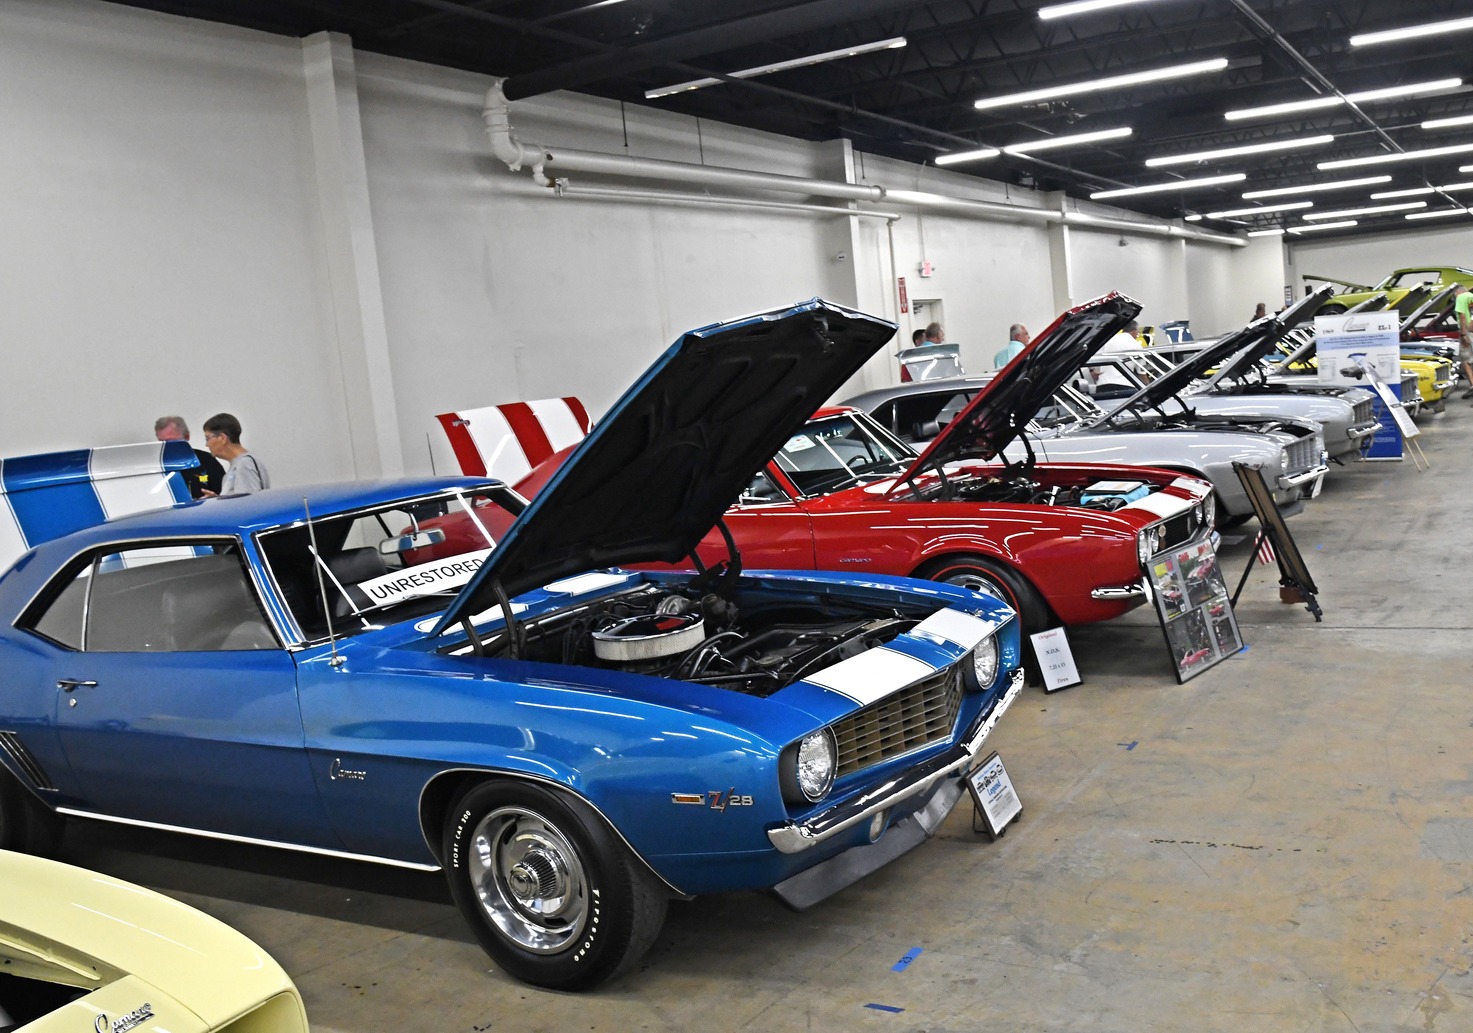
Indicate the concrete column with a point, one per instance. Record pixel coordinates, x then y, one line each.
1061 265
361 340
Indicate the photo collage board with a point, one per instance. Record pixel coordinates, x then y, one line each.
1196 612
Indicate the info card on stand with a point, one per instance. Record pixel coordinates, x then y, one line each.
1348 345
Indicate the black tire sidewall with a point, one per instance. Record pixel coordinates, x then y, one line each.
600 950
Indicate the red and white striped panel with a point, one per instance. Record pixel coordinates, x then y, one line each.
507 441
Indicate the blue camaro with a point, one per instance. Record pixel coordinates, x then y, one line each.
437 674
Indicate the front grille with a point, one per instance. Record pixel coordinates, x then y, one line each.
1303 455
914 717
1364 410
1177 531
11 744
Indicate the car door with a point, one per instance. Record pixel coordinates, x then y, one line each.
176 704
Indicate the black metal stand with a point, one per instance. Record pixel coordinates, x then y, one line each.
1294 576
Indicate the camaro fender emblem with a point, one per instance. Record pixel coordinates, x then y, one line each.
122 1024
719 800
337 772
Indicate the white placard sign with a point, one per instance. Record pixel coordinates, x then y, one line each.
1347 343
1055 659
992 791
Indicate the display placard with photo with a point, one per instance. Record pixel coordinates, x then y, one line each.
1196 612
993 793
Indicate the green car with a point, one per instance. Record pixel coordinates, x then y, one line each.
1397 286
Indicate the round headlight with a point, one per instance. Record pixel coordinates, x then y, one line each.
1207 515
816 758
984 661
1147 543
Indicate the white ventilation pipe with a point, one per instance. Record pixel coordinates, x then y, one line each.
617 193
547 165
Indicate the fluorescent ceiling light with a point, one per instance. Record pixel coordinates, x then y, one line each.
1367 39
1049 143
1445 123
1175 184
1193 218
1386 159
1441 213
1112 82
1323 226
1375 209
1311 188
1409 192
1275 232
959 156
1269 110
780 66
1082 7
1234 213
1232 152
1385 93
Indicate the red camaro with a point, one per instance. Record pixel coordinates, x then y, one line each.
1059 543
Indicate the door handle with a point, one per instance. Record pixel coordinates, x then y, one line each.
68 684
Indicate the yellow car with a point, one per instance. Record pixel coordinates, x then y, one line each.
86 952
1435 377
1397 287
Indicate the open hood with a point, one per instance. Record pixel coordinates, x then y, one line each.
1241 364
1434 304
999 412
676 450
1307 350
1259 333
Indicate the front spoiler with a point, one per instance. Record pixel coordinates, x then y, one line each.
794 837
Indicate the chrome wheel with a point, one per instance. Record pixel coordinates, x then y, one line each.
529 879
978 581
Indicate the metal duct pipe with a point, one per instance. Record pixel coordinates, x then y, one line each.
546 162
561 161
566 189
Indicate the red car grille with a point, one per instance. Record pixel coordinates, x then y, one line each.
917 716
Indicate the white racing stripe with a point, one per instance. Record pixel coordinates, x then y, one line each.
872 675
558 422
122 482
956 627
1192 484
500 451
590 582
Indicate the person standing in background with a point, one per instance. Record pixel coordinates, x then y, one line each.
1018 339
204 479
247 473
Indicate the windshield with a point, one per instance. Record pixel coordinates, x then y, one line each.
1411 278
841 451
358 570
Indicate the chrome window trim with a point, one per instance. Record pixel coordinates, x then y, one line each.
296 641
123 545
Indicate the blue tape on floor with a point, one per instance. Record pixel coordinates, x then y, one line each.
904 963
885 1007
1129 745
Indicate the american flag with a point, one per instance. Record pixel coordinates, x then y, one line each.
1265 548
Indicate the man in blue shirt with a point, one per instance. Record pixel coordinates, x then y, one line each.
1017 340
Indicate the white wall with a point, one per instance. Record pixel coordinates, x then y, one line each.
1225 285
162 249
200 218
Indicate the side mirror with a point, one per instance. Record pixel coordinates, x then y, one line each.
413 540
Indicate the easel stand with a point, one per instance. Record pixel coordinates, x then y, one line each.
1295 583
1287 584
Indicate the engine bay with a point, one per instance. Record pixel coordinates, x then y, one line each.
1022 489
689 634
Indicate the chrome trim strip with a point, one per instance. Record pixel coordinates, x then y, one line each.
25 760
794 837
1111 594
323 851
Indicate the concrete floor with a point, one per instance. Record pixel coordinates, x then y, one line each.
1283 843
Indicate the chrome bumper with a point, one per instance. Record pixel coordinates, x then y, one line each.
1294 480
1115 594
794 837
1363 430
